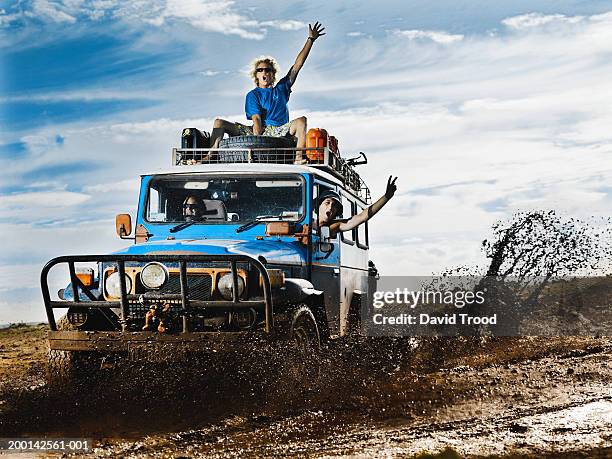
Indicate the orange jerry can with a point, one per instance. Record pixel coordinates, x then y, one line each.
316 138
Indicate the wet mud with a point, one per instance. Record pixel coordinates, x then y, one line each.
495 397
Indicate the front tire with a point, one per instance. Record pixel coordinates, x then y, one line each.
65 368
305 332
305 342
69 368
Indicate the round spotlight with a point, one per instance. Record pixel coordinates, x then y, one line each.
243 319
77 317
113 289
226 286
154 275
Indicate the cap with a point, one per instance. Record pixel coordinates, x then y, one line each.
331 195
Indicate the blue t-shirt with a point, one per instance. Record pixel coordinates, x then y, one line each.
270 103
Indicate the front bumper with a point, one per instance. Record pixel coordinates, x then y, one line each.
131 342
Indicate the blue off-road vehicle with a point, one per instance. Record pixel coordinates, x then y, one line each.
253 267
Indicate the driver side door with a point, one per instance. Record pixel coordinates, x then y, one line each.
326 266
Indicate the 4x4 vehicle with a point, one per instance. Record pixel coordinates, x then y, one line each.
254 267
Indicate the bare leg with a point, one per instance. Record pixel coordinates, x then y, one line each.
298 129
220 127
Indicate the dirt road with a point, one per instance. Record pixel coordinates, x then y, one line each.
520 397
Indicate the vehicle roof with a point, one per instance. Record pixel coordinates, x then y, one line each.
246 168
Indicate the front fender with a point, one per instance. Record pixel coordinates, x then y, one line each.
294 290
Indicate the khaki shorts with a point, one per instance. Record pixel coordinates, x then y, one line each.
272 131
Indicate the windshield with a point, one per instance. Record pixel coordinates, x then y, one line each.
223 199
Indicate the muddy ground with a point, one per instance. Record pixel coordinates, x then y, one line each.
503 397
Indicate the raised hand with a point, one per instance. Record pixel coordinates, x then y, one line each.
391 187
315 31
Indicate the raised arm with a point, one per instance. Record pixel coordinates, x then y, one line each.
367 213
314 32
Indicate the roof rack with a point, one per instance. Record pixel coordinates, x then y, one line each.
321 157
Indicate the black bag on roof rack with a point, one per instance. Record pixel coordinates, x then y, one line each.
194 138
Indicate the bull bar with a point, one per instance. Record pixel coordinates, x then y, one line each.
186 303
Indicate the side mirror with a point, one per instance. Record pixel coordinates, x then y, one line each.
324 245
123 225
325 234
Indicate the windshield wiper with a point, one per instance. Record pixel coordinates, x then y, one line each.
256 222
181 226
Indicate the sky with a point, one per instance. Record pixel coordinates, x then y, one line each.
481 108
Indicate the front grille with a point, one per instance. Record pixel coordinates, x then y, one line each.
200 287
139 310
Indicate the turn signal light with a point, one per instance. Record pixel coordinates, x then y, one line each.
86 276
277 278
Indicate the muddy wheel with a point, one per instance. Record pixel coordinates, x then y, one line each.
305 332
306 346
68 368
65 368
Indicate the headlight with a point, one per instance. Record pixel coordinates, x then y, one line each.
226 286
154 275
112 286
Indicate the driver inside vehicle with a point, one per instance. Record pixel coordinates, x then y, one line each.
193 209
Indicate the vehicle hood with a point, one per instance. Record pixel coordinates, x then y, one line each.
274 251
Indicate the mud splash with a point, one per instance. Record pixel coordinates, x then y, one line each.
479 396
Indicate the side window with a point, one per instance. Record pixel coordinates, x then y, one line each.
318 190
348 237
362 232
156 211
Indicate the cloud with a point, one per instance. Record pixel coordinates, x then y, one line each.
52 11
531 20
284 24
132 185
210 73
221 16
214 17
433 35
76 95
41 199
6 19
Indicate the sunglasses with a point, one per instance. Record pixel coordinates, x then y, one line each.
263 69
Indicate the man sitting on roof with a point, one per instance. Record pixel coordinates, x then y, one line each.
266 105
330 206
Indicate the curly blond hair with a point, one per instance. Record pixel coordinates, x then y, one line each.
269 60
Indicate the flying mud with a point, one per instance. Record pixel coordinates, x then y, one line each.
469 397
